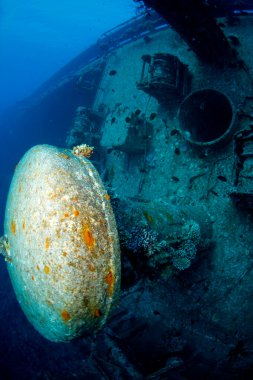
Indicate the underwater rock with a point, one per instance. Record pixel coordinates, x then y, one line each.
64 250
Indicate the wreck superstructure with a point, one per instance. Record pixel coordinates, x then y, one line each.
172 137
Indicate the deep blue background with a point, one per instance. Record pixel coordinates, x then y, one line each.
37 38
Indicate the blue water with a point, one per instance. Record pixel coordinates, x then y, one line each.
37 39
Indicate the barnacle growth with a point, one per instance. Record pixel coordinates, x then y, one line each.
64 260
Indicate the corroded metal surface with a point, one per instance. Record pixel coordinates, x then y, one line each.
65 259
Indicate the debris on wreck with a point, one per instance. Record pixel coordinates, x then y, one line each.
163 76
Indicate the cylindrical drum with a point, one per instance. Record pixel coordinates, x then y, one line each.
64 251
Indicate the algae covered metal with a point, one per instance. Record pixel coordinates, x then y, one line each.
64 259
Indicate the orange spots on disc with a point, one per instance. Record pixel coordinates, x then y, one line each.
66 214
13 227
23 224
47 243
76 213
88 237
65 316
64 254
97 313
37 267
46 269
107 197
109 279
53 195
33 278
75 199
63 155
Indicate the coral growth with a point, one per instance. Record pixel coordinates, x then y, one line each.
182 257
142 240
154 237
157 252
83 150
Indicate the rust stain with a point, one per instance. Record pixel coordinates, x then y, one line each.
46 269
23 225
47 243
88 237
33 278
66 214
37 267
13 227
53 195
109 279
63 155
76 213
64 254
65 316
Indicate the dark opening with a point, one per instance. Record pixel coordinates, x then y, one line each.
205 116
